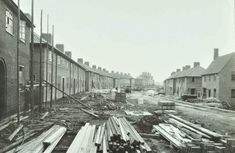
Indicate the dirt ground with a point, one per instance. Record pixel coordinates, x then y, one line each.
68 113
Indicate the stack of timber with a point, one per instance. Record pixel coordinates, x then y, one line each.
191 138
166 105
45 143
117 135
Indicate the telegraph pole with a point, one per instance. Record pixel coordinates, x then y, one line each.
47 50
40 67
31 58
17 64
52 70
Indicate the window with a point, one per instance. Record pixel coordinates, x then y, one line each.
193 79
9 21
233 93
233 76
204 78
50 56
22 30
209 78
214 77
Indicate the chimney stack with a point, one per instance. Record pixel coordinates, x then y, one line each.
60 47
69 54
47 37
80 60
216 53
99 68
178 70
187 67
196 64
87 63
94 66
172 73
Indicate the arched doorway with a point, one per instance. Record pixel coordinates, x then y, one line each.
2 89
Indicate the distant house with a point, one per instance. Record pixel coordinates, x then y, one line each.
187 81
219 78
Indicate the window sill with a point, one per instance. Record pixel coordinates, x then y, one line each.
11 34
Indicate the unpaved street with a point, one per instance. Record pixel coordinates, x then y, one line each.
222 122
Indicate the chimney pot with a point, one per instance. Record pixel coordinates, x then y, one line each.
216 53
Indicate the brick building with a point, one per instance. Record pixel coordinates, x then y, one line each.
219 78
68 75
8 51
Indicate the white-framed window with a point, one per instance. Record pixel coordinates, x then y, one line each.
9 21
22 30
49 56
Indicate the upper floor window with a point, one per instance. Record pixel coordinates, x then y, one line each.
214 77
204 78
9 21
209 78
233 76
22 30
193 79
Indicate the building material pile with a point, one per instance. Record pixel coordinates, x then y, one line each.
166 105
45 143
120 97
116 135
189 138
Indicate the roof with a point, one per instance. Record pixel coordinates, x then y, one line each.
82 65
218 64
191 72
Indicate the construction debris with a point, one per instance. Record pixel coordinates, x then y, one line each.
189 138
15 132
46 142
120 97
42 118
116 135
137 113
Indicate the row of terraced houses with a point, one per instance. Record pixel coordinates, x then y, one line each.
217 80
68 75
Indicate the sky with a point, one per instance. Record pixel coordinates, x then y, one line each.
133 36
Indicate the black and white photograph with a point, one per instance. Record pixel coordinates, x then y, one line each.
117 76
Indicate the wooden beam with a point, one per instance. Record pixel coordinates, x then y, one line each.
11 137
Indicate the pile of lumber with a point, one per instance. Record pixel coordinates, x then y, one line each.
166 105
190 138
114 136
45 143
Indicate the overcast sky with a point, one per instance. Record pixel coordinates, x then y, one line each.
133 36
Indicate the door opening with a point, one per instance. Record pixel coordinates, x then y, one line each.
3 82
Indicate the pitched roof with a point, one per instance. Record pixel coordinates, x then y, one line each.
84 66
218 64
192 72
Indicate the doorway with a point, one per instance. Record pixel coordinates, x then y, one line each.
2 89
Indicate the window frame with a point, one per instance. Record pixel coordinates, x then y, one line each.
232 93
9 17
